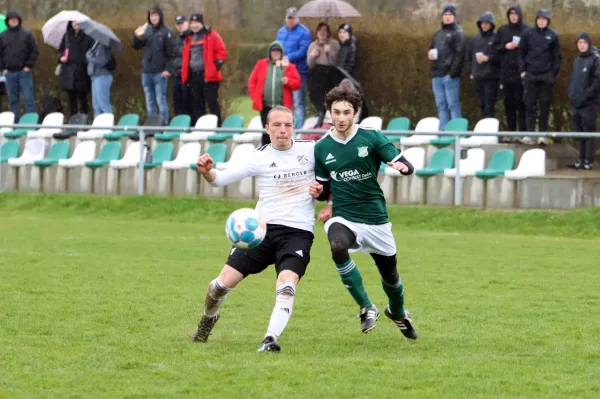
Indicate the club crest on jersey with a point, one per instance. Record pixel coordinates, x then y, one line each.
363 151
302 160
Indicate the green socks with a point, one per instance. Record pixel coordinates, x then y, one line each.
395 293
353 281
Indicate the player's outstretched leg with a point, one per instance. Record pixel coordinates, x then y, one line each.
392 285
340 240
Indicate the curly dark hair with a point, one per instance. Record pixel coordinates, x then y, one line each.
345 91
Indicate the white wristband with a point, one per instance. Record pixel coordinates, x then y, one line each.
329 202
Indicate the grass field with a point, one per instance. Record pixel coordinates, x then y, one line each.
99 297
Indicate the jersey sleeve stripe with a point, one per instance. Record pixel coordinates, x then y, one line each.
397 158
321 178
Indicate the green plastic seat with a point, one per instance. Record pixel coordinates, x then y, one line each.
455 125
383 167
10 149
218 152
59 150
402 124
30 118
109 152
500 162
126 120
440 160
163 152
220 137
178 121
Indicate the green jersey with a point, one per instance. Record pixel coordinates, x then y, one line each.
351 167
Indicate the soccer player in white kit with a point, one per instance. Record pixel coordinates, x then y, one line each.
285 170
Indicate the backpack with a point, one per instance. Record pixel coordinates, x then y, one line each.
51 104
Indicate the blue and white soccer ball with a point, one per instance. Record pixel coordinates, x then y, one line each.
245 228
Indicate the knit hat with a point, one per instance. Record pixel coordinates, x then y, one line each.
449 8
585 36
197 17
346 27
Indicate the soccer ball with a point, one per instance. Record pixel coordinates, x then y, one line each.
245 228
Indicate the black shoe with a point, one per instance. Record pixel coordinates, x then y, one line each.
576 165
269 345
404 323
205 327
587 165
368 317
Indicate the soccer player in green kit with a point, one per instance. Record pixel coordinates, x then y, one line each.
347 160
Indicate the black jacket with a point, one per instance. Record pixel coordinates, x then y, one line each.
540 51
176 61
484 43
73 74
346 57
18 48
158 43
451 44
509 72
584 87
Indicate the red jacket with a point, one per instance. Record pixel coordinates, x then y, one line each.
214 49
256 84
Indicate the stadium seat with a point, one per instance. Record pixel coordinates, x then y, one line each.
10 149
188 154
231 122
67 132
441 160
58 151
426 125
131 157
84 152
204 122
474 162
454 125
414 155
500 162
151 121
109 152
398 124
103 120
238 154
487 125
162 153
310 122
30 118
34 151
532 163
126 120
373 122
249 137
6 118
184 121
52 119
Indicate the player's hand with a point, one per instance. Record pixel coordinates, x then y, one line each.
315 189
399 166
204 164
325 214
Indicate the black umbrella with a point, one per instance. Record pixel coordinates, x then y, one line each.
101 33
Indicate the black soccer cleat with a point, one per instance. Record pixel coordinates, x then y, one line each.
269 345
403 323
368 317
205 327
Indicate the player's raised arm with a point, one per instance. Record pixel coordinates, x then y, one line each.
391 155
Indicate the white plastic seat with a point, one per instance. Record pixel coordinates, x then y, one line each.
84 152
239 154
309 123
426 125
52 119
35 150
209 121
131 157
187 155
487 125
475 161
373 122
414 155
103 120
6 118
249 137
532 163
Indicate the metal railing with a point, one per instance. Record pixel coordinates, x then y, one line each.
141 130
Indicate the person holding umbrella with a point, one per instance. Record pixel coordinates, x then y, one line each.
100 65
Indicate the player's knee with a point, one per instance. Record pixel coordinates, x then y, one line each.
387 267
338 245
217 289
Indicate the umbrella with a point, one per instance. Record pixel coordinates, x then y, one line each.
3 26
327 9
101 33
54 29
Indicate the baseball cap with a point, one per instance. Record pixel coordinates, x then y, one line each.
180 19
291 12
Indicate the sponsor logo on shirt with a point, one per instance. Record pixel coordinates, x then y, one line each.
350 175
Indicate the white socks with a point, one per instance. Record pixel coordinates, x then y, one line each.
215 296
284 302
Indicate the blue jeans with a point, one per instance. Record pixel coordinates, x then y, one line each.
18 83
101 94
446 91
155 90
300 104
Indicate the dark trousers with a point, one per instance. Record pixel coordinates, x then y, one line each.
181 101
78 102
263 119
584 120
202 93
538 89
514 107
487 95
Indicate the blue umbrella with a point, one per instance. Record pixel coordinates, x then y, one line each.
101 33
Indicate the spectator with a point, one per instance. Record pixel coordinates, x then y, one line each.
295 39
324 50
347 54
180 95
271 84
73 71
101 65
447 53
18 54
483 64
204 54
584 90
539 62
158 43
506 46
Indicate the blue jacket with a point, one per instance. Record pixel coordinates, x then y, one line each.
295 44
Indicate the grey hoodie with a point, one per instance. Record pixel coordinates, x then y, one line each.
98 58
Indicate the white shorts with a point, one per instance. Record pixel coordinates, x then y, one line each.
370 238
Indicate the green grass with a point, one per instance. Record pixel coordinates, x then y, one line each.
99 298
242 105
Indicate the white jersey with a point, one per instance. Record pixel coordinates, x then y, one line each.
284 178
